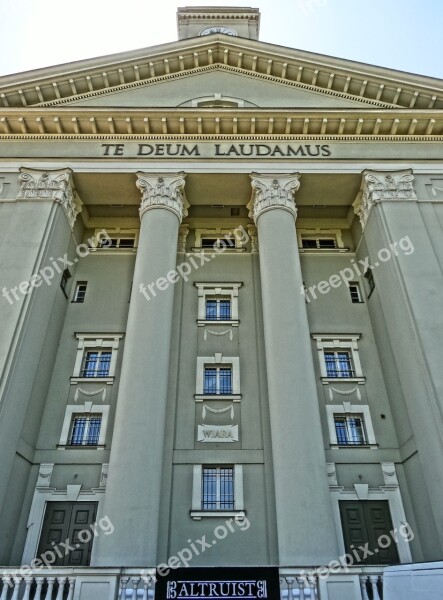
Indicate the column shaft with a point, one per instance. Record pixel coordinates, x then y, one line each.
133 490
305 525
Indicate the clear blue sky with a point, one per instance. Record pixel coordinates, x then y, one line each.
400 34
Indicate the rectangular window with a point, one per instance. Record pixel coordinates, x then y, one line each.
354 291
338 363
96 363
218 488
217 380
80 291
371 283
318 243
227 241
350 430
117 242
218 309
85 430
64 281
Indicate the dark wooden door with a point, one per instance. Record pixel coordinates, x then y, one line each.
64 522
363 522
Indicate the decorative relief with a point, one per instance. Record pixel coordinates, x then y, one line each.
217 433
79 391
389 473
182 236
205 335
271 191
163 191
378 186
51 185
104 475
253 236
332 474
355 390
44 475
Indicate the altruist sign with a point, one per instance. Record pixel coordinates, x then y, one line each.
207 583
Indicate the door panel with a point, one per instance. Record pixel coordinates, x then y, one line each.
363 522
65 521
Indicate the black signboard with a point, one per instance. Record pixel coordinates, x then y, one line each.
213 583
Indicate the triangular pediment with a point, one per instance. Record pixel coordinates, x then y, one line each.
294 76
215 86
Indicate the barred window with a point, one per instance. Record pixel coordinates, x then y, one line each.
80 291
338 363
218 488
85 430
350 430
218 309
96 363
217 380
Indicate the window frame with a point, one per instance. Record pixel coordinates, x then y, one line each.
197 512
356 285
218 234
338 342
219 383
214 291
349 441
78 409
348 409
90 342
77 292
217 360
87 429
321 234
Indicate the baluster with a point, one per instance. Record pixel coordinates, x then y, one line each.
6 585
51 581
61 587
290 584
122 590
27 594
135 582
301 580
71 588
17 581
38 591
374 580
364 589
313 587
146 586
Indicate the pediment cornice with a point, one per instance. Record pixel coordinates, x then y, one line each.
372 86
217 124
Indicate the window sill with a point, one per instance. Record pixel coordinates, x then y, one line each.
354 446
232 323
198 515
322 250
217 251
326 380
204 397
80 447
108 380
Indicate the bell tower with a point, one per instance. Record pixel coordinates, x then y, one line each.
206 20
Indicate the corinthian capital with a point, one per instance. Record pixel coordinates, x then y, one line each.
51 185
163 191
377 186
271 191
